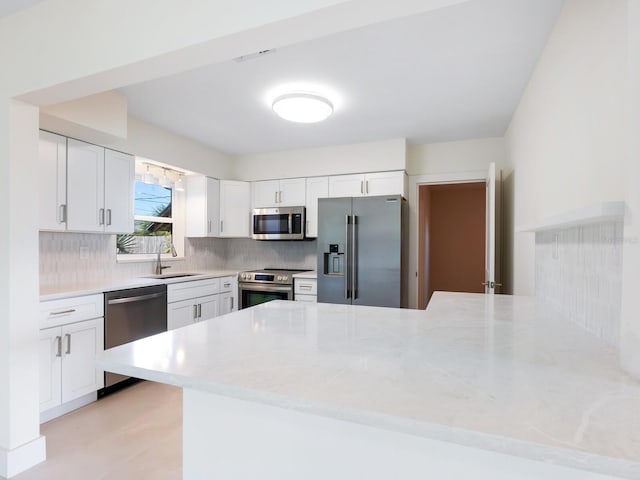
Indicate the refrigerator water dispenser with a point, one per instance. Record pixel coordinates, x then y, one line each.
334 259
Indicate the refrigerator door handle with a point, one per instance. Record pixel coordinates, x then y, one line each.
354 257
347 221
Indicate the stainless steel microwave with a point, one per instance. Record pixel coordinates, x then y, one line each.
279 223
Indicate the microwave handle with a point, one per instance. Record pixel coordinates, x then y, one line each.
291 223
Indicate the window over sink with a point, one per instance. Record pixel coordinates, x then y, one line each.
154 224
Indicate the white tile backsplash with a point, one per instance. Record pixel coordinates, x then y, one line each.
579 273
74 259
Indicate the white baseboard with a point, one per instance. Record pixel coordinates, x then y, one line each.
68 407
13 462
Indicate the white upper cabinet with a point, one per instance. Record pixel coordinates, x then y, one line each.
119 175
52 172
84 187
287 192
292 192
368 184
217 208
235 208
317 187
203 206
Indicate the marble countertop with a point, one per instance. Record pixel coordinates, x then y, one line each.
309 274
109 286
500 373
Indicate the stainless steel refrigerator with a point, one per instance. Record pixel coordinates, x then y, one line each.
362 250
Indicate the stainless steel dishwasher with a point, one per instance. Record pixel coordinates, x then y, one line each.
130 315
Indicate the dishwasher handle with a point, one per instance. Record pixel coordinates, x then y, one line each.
138 298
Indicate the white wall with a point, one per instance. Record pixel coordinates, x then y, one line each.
102 119
630 320
335 160
450 157
564 141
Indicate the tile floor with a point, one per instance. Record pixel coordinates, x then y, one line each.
133 434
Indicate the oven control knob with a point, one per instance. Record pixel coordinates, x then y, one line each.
279 277
285 278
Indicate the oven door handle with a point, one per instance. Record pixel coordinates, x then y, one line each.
264 288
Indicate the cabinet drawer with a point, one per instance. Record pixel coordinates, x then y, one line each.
306 286
70 310
306 298
193 289
227 284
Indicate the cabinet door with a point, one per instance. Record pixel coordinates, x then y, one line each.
85 187
386 183
119 177
50 361
213 207
52 175
235 208
265 193
208 307
181 314
346 185
292 192
317 187
227 303
81 342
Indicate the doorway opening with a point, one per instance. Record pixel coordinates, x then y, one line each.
451 239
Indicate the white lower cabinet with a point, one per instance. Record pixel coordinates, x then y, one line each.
67 362
194 301
71 335
305 290
228 294
186 312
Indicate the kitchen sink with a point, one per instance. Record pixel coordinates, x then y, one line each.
173 275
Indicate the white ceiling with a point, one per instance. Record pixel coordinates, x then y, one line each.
451 74
7 7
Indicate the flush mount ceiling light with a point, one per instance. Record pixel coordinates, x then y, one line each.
303 107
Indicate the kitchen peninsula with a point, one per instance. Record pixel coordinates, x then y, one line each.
491 386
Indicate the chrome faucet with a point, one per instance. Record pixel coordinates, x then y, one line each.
159 266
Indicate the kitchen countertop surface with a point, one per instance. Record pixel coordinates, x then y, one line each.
501 373
309 274
109 286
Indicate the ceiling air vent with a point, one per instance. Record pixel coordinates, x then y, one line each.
253 56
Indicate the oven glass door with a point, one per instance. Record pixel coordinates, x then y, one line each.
271 224
254 294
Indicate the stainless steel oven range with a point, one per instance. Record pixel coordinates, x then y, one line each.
260 286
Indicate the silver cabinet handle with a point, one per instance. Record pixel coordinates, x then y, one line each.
62 211
101 216
59 342
347 221
362 187
231 298
305 287
68 337
199 310
208 226
195 311
226 285
62 312
354 256
108 216
276 197
366 187
280 198
221 226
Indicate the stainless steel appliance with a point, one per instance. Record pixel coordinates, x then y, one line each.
362 251
260 286
130 315
281 223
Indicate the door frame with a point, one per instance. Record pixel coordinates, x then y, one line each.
416 181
